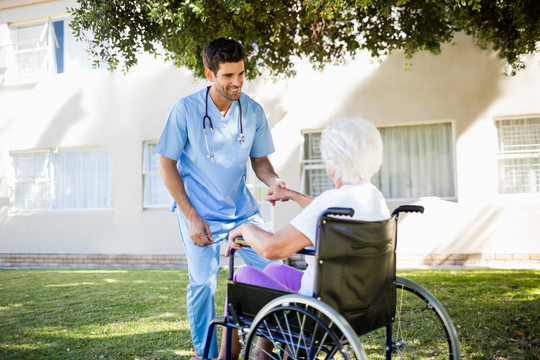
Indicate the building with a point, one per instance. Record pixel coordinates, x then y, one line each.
79 183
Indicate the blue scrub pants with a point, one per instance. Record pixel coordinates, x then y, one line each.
203 267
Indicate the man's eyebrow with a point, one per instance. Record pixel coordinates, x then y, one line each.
231 74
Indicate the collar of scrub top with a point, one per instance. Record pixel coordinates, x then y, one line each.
241 137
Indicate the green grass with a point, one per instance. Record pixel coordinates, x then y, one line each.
141 314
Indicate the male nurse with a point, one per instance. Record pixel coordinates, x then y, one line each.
205 145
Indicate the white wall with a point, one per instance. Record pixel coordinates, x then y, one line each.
91 107
464 84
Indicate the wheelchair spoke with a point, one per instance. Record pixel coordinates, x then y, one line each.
270 338
301 334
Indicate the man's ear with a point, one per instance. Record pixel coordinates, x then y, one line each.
209 74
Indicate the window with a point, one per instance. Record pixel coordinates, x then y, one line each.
314 178
259 189
519 155
38 49
418 161
62 179
155 194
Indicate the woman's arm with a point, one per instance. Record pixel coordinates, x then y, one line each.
273 246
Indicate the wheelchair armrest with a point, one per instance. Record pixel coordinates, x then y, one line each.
306 251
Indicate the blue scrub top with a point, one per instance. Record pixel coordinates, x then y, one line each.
216 187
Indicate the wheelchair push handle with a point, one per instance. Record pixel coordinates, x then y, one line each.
409 209
338 211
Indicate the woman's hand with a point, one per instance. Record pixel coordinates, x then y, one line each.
233 234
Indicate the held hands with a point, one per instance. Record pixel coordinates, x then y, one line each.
276 192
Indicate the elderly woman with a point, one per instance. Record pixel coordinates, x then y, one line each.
352 153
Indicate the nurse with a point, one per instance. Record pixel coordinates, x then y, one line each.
205 145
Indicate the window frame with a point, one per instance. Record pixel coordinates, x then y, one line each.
53 44
252 182
452 123
12 181
308 164
148 173
509 154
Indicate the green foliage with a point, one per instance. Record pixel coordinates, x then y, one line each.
275 32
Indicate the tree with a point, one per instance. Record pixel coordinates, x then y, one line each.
275 32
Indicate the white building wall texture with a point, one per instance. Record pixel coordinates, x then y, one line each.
85 106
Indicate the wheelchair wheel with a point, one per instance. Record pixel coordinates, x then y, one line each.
301 327
422 328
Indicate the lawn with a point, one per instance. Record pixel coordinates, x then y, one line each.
141 314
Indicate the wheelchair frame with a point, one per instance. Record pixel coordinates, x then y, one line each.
410 324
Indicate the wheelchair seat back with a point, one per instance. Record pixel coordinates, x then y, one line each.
356 269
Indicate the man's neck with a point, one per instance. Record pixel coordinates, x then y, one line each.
221 102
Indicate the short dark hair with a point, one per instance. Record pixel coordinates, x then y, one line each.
222 50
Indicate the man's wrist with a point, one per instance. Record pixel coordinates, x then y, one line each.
279 182
191 214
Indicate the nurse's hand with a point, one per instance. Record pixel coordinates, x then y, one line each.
199 231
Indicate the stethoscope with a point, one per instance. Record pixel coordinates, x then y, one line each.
241 137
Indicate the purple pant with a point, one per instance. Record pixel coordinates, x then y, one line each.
274 276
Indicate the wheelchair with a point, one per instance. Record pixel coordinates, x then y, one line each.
360 309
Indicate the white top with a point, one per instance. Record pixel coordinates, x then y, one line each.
368 204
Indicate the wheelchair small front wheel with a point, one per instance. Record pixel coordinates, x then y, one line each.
300 327
422 328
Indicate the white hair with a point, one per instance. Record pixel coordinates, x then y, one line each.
353 149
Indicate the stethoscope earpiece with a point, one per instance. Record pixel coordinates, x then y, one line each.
241 137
